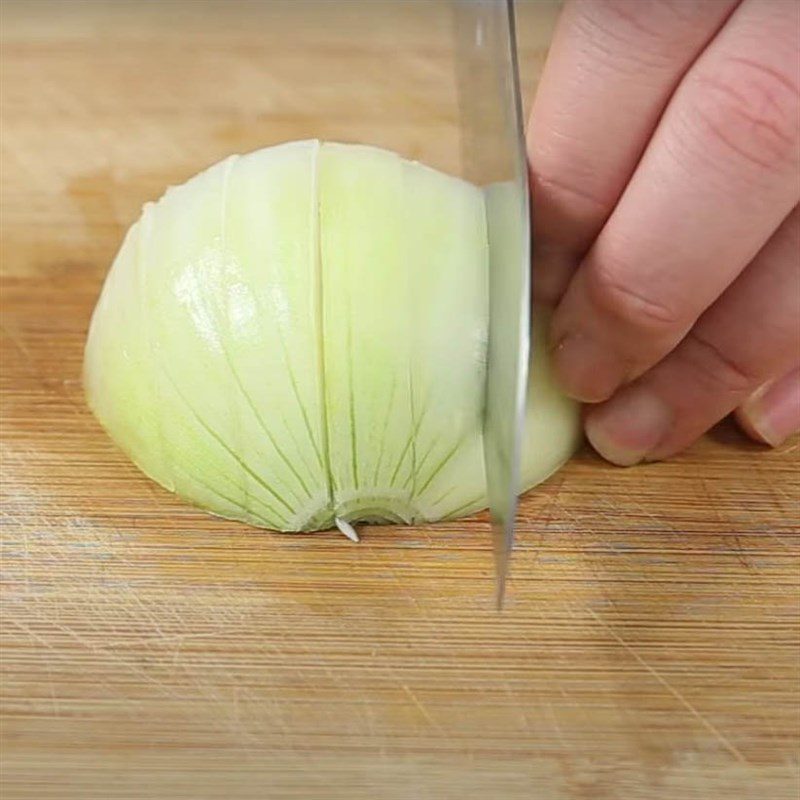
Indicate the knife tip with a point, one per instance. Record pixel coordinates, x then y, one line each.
500 593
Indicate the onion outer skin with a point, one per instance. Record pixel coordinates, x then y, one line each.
299 334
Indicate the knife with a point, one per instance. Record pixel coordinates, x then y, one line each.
493 155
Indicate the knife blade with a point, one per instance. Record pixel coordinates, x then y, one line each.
493 156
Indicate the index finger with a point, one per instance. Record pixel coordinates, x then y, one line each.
718 177
610 72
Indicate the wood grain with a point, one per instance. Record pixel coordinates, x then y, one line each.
650 645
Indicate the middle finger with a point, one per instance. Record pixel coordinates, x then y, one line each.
719 175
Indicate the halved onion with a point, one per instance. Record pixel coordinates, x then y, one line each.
299 335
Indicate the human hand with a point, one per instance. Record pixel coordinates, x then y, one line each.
664 146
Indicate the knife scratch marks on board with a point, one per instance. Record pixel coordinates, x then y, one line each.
421 610
678 695
167 638
740 553
65 658
660 522
557 727
390 671
521 708
422 709
710 496
149 615
54 704
19 345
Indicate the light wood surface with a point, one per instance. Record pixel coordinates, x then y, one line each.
649 648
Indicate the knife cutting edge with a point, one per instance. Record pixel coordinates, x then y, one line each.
493 154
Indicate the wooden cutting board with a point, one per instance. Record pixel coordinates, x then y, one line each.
649 648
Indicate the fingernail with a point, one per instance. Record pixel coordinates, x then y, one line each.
773 411
629 427
586 371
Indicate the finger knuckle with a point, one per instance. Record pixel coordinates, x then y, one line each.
719 371
749 111
611 289
650 18
563 175
639 34
569 187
